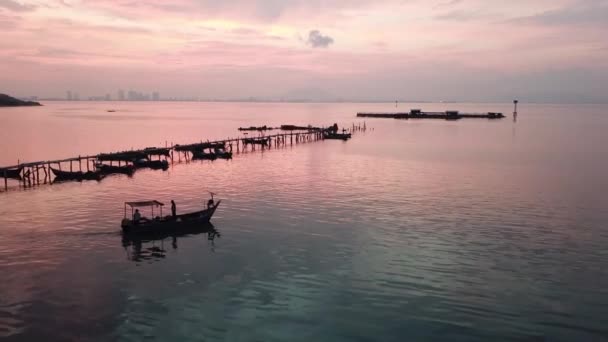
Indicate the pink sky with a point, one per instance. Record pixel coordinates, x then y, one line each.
476 50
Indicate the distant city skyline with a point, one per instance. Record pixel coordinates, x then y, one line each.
132 95
452 50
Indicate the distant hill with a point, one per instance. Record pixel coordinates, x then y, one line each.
8 101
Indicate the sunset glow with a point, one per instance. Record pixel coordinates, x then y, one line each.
427 50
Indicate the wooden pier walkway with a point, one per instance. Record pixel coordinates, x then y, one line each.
40 172
419 114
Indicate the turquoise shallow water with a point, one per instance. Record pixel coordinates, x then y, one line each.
414 230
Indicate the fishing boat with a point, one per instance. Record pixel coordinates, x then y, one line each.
203 155
256 141
222 153
160 223
157 151
255 128
113 169
11 173
76 176
199 146
152 164
337 136
127 156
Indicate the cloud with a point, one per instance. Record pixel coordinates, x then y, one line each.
448 3
317 40
458 15
15 6
249 11
8 22
584 12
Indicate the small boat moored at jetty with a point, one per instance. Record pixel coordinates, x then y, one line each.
256 141
203 155
113 169
127 156
157 151
130 156
152 164
199 146
332 133
255 128
159 224
222 153
299 128
337 136
76 175
11 173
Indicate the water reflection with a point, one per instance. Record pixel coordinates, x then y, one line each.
150 247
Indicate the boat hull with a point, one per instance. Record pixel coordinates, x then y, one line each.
111 169
76 176
169 224
152 164
337 136
203 155
11 173
225 155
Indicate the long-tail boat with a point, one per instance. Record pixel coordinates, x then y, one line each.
222 153
204 155
152 164
127 156
113 169
137 224
11 173
76 175
157 151
256 141
199 146
337 136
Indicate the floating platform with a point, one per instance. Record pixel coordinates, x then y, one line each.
419 114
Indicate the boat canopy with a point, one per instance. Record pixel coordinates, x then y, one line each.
144 204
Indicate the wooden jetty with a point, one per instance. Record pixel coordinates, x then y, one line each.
96 167
419 114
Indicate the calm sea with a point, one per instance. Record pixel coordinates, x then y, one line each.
472 230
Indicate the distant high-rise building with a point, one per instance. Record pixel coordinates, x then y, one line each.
76 97
121 95
108 98
155 96
69 95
